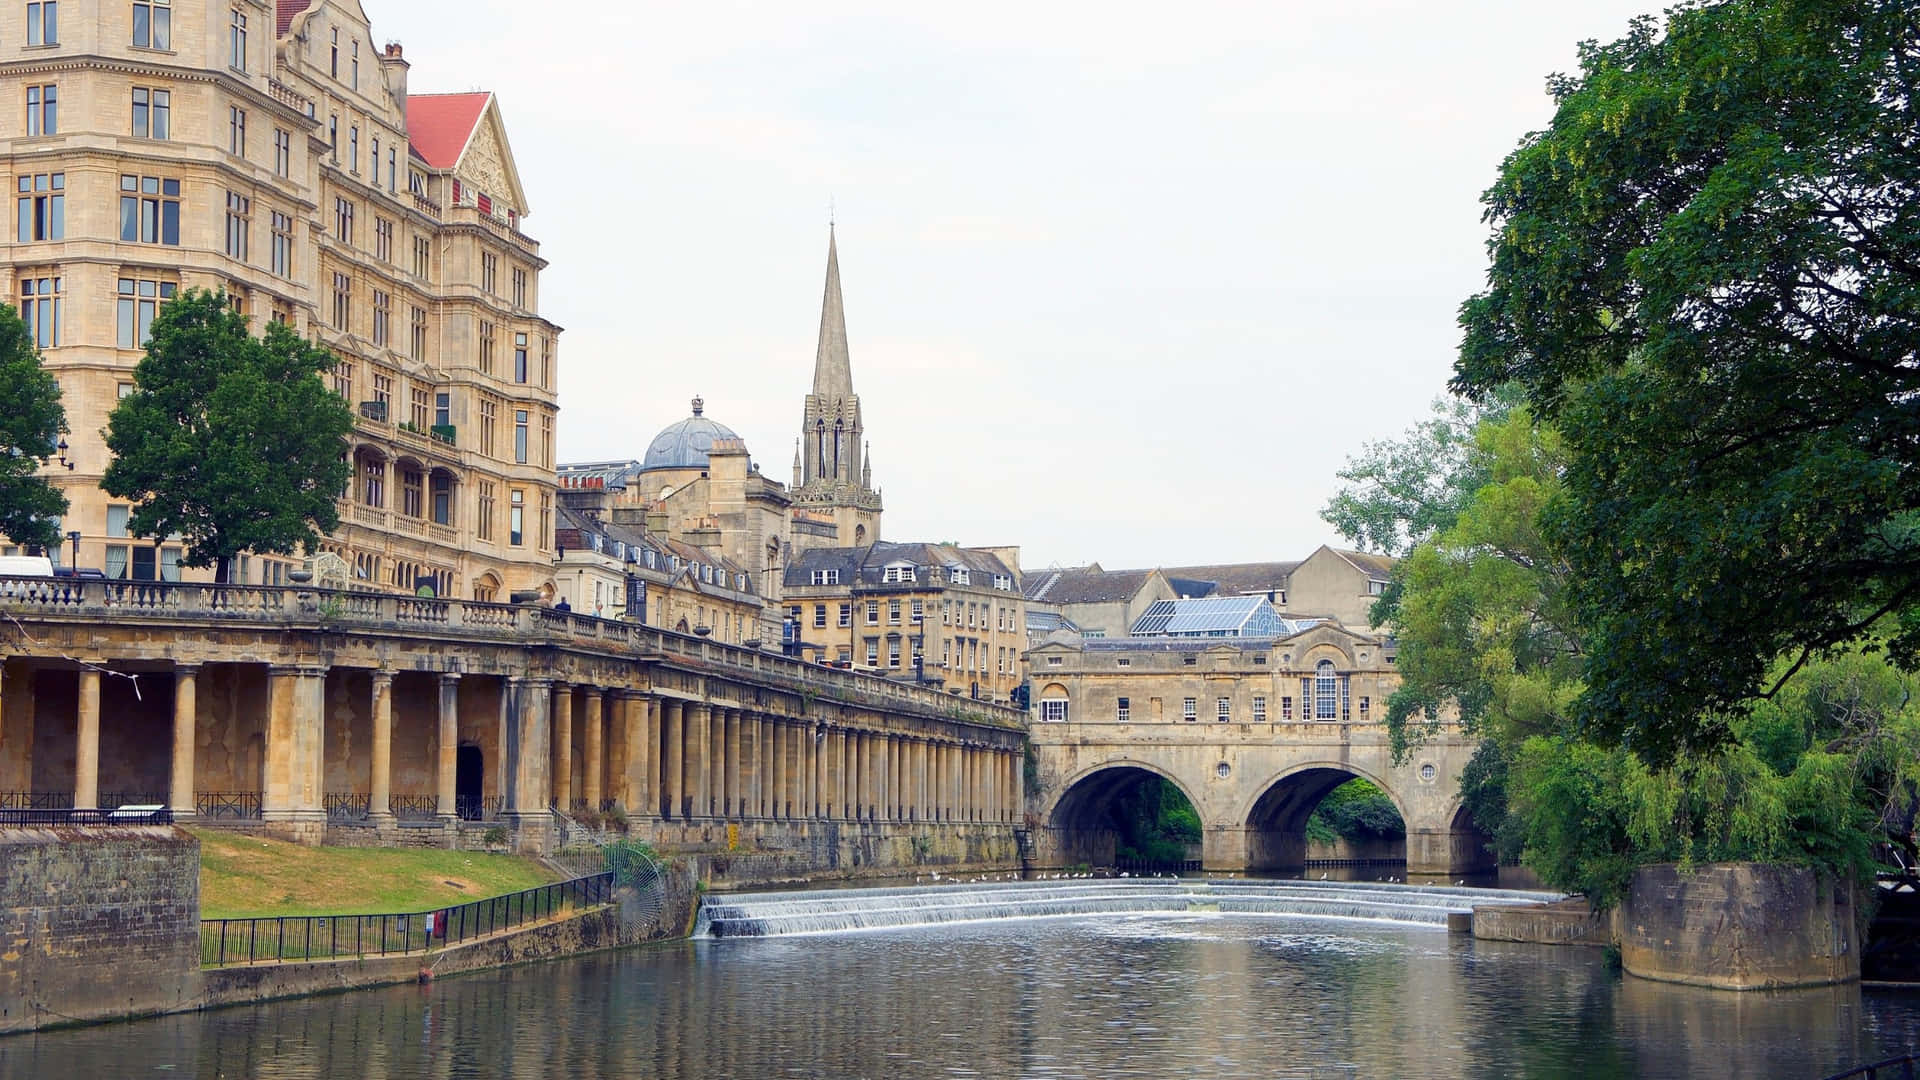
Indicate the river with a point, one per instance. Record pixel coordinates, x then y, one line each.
1209 994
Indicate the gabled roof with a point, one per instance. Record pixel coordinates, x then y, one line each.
1238 579
285 10
441 125
867 563
1376 567
1086 586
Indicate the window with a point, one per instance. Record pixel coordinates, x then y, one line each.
1286 707
483 525
894 574
239 225
519 358
873 652
546 521
893 613
153 24
343 379
1376 588
149 210
333 136
417 337
422 257
282 152
382 308
846 615
1325 691
40 308
1190 709
487 413
959 575
139 301
441 493
873 613
516 511
1189 661
333 55
919 611
546 364
1053 710
43 22
1363 708
1054 661
520 436
42 207
282 226
373 483
391 167
237 39
443 409
342 302
123 391
412 493
1223 709
43 110
489 269
1259 709
117 521
417 407
519 287
893 652
152 113
1123 710
486 348
382 389
824 577
383 239
353 149
343 220
820 616
1123 661
237 131
355 81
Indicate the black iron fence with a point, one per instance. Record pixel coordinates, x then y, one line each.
1905 1067
69 816
414 807
478 808
227 805
36 800
227 942
1157 866
347 805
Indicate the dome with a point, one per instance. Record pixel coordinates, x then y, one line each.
684 445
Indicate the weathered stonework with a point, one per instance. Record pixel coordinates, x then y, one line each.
1738 926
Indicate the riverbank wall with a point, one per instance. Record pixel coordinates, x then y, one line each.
838 851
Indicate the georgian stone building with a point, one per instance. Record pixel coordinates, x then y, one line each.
615 568
274 152
933 612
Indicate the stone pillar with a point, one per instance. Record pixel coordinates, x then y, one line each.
883 747
749 765
717 762
832 774
530 745
673 748
86 748
180 787
810 774
869 780
699 759
380 780
796 755
594 726
446 799
563 747
731 804
817 740
643 742
296 704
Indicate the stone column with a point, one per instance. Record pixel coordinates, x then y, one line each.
594 723
563 747
869 788
810 774
717 762
817 739
643 742
380 782
445 804
673 747
86 748
296 703
749 765
795 759
530 749
699 759
180 787
732 803
883 773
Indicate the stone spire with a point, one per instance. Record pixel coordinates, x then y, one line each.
796 465
832 368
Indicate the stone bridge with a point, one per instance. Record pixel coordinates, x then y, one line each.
1253 785
313 711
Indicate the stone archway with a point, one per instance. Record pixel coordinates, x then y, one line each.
1276 818
1080 826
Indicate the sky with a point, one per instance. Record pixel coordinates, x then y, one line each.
1124 283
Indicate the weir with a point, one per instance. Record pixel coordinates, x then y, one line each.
779 914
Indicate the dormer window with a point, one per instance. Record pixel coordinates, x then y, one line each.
898 573
959 575
825 577
1003 581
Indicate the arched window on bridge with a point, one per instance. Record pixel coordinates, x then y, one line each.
1053 704
1326 692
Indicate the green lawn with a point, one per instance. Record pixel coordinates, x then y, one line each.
242 876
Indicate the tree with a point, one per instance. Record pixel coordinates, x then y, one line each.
231 441
30 429
1706 273
1398 492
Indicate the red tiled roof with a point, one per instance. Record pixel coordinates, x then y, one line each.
439 125
285 10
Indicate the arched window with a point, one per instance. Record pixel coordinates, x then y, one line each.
1326 691
1053 704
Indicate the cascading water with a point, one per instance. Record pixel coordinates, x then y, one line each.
838 911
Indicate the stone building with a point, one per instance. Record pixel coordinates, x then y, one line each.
620 571
832 472
273 152
932 612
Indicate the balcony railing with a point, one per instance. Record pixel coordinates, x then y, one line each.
97 601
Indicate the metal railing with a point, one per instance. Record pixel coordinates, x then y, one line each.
280 939
414 807
1905 1067
478 808
347 805
227 805
36 800
160 816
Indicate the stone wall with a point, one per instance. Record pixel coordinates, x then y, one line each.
1739 926
97 923
842 851
1565 922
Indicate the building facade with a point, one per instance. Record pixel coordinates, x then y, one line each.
622 571
932 612
272 152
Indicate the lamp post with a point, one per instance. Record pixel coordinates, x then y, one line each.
73 538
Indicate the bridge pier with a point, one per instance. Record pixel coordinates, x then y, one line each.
1226 849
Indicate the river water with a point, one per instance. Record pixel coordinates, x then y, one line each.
1210 994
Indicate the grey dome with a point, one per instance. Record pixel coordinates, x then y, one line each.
684 445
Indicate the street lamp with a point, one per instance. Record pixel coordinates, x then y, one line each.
62 448
73 537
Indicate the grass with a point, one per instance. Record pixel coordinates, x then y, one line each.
244 876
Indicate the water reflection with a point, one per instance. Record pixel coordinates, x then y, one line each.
1137 997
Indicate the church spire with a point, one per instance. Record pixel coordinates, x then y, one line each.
832 368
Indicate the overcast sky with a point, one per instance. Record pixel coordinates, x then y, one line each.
1124 283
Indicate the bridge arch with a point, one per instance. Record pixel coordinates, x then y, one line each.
1275 816
1082 820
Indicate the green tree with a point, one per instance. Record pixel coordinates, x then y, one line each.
1397 492
30 429
231 441
1706 273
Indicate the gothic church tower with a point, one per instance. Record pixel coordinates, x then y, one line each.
832 478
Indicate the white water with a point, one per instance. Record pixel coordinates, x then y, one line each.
838 911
